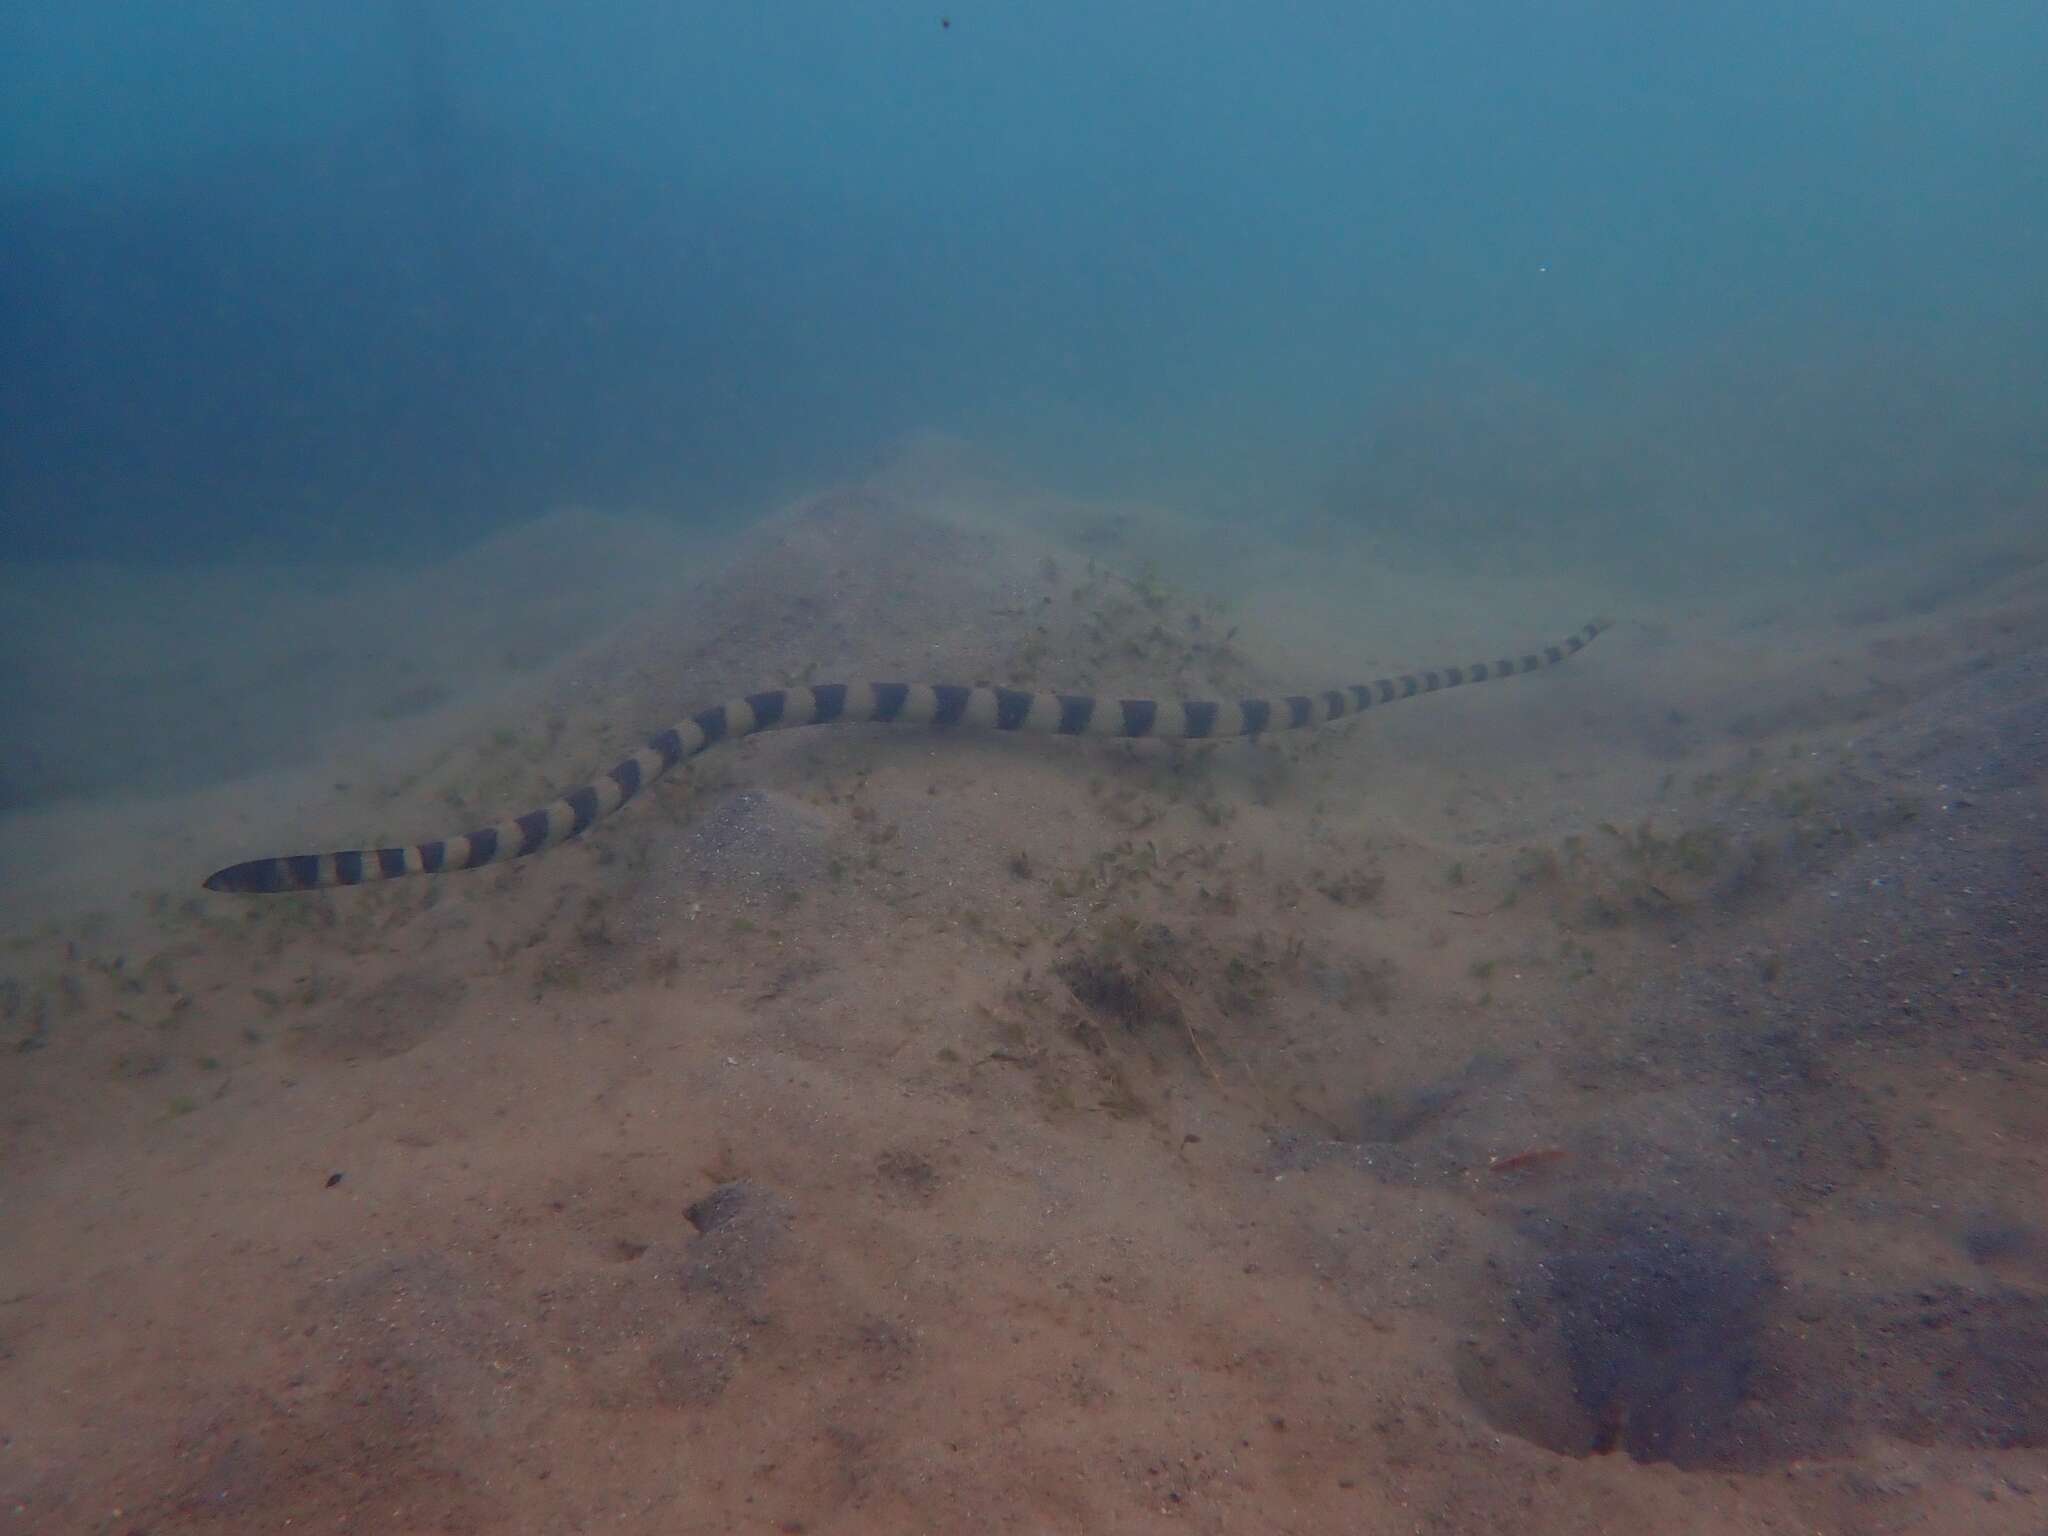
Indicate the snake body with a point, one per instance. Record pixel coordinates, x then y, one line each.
941 704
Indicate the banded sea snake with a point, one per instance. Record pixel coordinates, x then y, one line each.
1002 709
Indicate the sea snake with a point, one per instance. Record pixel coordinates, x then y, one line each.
1002 709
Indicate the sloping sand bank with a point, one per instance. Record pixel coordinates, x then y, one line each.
1610 1100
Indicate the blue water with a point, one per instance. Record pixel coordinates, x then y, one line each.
321 281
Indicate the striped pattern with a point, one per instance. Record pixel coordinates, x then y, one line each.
1000 709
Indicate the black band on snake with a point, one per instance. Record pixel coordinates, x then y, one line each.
1001 709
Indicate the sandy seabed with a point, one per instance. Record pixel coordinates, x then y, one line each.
1610 1100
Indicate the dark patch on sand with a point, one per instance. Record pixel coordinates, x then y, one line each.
740 1228
393 1017
1636 1332
691 1369
1400 1115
